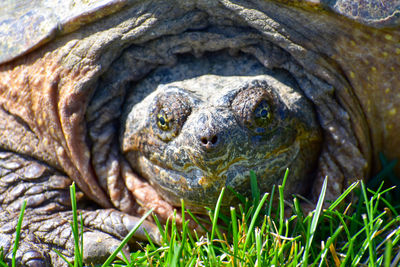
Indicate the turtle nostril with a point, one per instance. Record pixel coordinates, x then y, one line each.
204 140
209 141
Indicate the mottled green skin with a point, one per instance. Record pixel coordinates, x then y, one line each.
194 134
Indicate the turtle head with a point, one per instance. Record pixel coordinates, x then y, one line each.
193 137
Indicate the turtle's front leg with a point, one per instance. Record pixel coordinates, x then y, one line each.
46 224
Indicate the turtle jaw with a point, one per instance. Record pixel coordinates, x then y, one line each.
199 183
196 186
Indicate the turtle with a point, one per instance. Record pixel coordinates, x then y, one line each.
145 103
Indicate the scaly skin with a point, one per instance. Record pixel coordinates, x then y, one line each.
61 104
192 136
46 225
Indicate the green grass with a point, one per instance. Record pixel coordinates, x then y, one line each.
360 228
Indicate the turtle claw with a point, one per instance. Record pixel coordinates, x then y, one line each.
34 258
119 224
108 228
103 231
28 254
98 246
47 217
36 263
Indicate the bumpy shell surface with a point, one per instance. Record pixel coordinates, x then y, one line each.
27 24
375 13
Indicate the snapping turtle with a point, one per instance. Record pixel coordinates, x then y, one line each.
144 103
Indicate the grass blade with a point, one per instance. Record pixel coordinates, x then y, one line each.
254 219
18 233
235 235
314 221
75 231
126 239
388 252
62 257
258 237
281 202
367 203
369 238
216 213
254 187
343 196
327 246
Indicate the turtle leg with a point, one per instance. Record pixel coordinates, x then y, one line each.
46 223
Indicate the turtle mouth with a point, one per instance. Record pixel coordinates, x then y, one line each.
197 186
199 181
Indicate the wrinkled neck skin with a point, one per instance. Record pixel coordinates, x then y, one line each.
62 102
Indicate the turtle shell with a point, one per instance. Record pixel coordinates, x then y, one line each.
375 13
27 24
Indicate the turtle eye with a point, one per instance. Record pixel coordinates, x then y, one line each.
262 113
162 121
255 109
169 113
